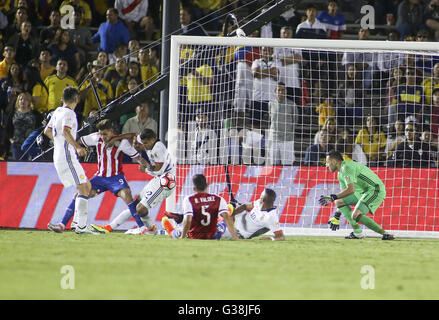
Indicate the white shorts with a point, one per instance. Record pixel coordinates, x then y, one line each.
71 174
153 194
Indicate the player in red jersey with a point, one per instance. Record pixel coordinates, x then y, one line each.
201 211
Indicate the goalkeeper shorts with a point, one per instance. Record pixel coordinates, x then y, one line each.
366 203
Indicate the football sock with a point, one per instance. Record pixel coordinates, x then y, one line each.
81 210
368 222
121 218
133 211
347 213
69 212
147 220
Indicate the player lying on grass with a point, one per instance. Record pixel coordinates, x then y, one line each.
249 220
360 187
201 211
158 164
109 176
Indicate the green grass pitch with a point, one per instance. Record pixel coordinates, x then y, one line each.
119 266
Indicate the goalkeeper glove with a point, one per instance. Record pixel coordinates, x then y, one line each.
325 200
334 222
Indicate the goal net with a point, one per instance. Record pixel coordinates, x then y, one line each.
252 113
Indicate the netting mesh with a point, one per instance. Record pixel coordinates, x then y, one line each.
258 116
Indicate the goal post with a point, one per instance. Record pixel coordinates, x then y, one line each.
223 123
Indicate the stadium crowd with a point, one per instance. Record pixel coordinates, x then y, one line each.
278 87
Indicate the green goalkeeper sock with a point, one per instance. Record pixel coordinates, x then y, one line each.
368 222
347 212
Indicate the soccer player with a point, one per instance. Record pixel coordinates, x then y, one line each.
109 176
201 211
361 187
159 163
62 129
255 219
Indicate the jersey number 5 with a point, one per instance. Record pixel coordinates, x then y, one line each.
206 220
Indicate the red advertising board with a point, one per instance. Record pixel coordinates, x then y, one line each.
31 194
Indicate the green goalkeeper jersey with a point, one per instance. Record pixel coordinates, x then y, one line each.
365 180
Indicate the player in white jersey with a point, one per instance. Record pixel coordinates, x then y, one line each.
257 218
62 129
160 163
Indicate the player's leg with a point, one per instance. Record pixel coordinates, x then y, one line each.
344 206
369 203
81 206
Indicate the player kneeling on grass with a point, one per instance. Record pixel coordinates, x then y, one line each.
158 164
361 187
201 211
109 176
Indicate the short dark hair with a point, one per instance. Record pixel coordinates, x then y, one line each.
200 182
148 134
70 94
334 154
270 195
105 124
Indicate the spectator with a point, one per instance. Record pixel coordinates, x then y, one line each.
265 77
188 27
244 57
133 49
410 17
87 13
110 33
36 87
387 61
134 71
46 69
102 86
63 48
103 59
56 83
394 138
131 13
365 62
350 150
413 153
431 83
26 46
430 114
334 21
432 17
119 72
410 98
311 27
325 109
11 86
121 51
23 123
147 25
289 70
397 78
47 34
428 137
350 97
283 118
21 15
9 58
141 120
372 140
148 70
331 127
81 37
253 145
129 85
203 140
315 155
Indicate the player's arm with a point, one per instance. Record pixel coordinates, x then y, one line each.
48 132
129 136
69 138
242 208
187 220
325 200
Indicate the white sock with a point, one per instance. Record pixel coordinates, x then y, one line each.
81 211
121 218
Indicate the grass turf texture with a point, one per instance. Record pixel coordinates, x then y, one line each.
119 266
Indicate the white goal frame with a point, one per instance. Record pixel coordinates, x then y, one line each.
346 45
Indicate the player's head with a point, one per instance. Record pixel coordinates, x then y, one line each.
70 96
106 129
334 160
148 138
200 183
268 197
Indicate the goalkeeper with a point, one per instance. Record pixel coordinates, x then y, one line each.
359 186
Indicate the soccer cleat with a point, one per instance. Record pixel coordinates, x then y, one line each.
58 228
388 236
150 231
102 229
73 225
167 225
178 218
231 208
85 230
352 235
